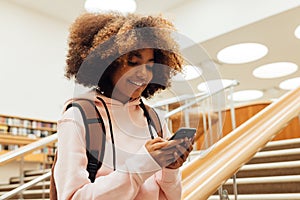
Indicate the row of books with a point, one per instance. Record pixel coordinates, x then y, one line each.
8 147
33 133
46 150
49 150
26 123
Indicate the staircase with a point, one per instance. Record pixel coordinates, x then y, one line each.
273 173
36 192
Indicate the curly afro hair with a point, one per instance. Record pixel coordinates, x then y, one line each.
99 43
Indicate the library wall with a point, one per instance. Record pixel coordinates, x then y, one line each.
243 113
32 82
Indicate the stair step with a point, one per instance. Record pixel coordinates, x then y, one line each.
285 196
14 180
264 185
275 153
46 191
282 144
272 179
32 194
36 172
9 187
267 166
276 156
280 155
270 169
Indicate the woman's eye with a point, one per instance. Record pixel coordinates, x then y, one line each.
130 63
149 66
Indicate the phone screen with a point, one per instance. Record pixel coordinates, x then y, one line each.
184 132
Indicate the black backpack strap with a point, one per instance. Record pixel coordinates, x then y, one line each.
111 131
95 134
152 119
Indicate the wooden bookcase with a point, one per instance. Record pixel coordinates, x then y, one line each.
19 131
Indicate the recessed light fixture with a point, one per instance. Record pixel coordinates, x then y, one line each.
212 86
124 6
275 70
297 32
242 53
290 84
246 95
189 72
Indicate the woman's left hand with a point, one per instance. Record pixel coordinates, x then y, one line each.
181 153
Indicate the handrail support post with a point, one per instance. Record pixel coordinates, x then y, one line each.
21 175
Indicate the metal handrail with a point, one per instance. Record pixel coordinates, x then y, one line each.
27 149
203 175
203 96
177 99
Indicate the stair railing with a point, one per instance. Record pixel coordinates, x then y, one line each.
27 149
203 175
20 153
196 99
25 186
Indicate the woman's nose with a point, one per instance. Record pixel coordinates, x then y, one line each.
142 71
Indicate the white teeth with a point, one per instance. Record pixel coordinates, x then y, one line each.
137 83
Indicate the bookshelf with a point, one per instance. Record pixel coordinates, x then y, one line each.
19 131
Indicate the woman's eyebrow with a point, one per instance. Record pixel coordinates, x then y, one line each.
138 55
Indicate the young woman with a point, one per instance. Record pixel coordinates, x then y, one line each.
123 58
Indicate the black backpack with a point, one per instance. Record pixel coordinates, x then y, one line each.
94 127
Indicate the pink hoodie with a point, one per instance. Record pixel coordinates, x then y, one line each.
137 175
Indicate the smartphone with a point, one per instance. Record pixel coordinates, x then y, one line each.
184 132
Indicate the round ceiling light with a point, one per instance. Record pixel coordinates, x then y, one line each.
246 95
275 70
189 72
290 84
242 53
297 32
124 6
212 86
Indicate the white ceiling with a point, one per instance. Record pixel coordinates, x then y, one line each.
276 32
68 10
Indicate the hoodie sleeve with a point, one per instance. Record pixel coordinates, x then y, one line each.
70 173
168 180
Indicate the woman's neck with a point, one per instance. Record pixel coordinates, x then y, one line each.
121 98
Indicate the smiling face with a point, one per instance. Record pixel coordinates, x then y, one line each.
131 79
